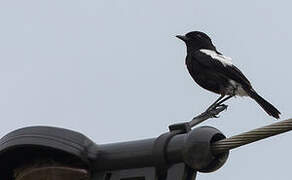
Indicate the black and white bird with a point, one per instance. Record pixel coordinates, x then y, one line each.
215 72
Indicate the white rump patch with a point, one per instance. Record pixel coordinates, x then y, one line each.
237 88
226 61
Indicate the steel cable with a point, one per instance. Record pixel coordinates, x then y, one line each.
251 136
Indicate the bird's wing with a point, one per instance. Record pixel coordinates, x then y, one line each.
220 64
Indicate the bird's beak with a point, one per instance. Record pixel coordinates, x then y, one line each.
183 38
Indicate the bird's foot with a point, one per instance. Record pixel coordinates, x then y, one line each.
222 106
212 107
216 110
211 112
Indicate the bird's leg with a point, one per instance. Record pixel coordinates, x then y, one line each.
225 99
212 111
219 104
215 103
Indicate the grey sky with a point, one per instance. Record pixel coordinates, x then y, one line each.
114 71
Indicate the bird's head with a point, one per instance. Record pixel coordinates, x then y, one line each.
196 40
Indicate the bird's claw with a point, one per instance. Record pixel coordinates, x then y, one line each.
219 107
215 116
224 106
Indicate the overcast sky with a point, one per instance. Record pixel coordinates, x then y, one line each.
114 71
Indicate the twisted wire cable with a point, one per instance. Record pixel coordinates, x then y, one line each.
251 136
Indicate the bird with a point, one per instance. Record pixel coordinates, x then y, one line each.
215 72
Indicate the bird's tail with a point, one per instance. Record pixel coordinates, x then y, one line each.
268 107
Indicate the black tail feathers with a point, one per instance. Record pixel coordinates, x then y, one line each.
268 107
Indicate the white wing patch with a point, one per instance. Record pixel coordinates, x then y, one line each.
226 61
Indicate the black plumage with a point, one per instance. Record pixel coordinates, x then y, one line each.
215 72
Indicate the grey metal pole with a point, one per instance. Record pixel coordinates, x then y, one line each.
190 147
